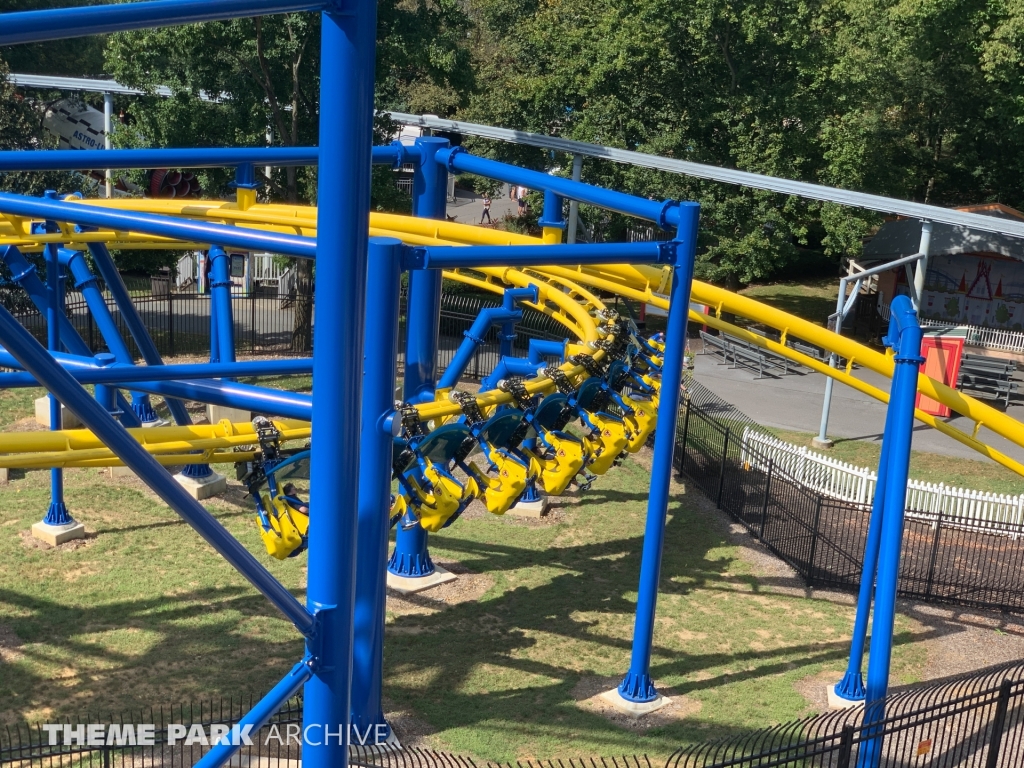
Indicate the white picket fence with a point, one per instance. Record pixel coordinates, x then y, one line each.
841 480
974 335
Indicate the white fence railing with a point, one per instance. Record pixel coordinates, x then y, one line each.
841 480
974 335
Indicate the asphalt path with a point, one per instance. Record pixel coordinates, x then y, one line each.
794 401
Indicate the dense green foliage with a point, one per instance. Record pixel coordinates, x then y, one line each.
919 99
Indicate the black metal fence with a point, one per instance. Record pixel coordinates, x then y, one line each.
945 558
970 722
975 721
180 325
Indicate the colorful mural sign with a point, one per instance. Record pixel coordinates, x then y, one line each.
974 290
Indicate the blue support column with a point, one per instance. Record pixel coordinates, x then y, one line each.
85 282
137 328
905 339
220 301
851 687
106 395
343 197
411 558
57 514
383 281
637 686
25 275
508 328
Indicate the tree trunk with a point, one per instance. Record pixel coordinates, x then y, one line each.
302 309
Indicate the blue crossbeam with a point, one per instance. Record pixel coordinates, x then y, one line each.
201 157
63 23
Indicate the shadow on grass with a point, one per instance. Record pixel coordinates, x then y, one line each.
512 658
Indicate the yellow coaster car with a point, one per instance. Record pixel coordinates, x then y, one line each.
283 517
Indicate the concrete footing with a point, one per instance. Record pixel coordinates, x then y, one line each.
217 413
55 535
5 475
203 487
537 508
68 419
634 708
822 445
838 702
115 473
405 585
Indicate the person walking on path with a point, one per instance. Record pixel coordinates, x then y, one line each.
521 199
487 210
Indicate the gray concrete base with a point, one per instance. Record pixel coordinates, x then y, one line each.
68 419
55 535
404 585
838 702
157 423
115 473
204 487
822 445
634 708
5 475
217 413
537 508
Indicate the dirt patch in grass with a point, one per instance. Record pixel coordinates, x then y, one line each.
813 689
9 645
468 587
31 542
588 695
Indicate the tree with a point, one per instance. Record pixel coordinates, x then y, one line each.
21 128
909 98
263 74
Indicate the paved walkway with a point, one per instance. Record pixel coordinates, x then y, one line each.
469 206
794 402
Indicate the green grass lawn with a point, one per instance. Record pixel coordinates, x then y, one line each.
143 612
812 300
928 467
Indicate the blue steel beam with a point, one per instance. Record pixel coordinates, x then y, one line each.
411 557
904 338
126 374
637 685
211 157
161 226
64 23
222 316
37 361
474 338
136 326
259 715
87 285
458 256
343 194
383 282
665 214
25 275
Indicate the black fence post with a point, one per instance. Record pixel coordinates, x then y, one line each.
845 747
934 556
170 324
252 315
686 429
721 469
998 723
92 325
767 496
809 578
